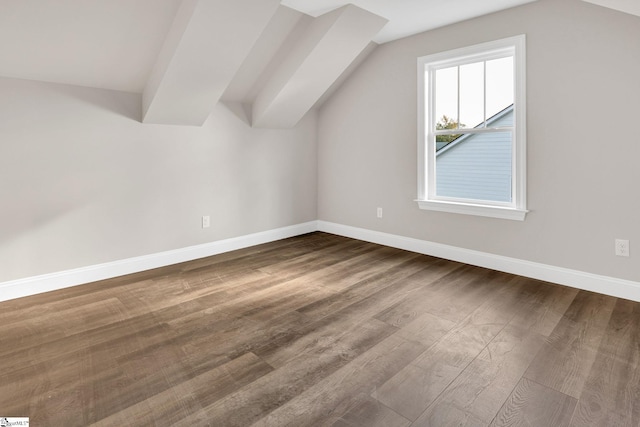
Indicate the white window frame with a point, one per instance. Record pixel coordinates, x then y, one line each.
427 65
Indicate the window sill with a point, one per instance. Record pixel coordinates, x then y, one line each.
471 209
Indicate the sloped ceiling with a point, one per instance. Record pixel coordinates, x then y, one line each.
108 44
627 6
131 45
407 17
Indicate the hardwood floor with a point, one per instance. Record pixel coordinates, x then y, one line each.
321 330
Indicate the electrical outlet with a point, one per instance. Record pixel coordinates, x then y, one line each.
206 221
379 213
622 247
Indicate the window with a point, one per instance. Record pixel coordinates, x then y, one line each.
471 127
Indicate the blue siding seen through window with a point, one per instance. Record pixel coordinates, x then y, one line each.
478 166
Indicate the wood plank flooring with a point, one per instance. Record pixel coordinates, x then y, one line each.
321 330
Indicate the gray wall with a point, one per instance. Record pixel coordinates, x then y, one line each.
83 182
583 158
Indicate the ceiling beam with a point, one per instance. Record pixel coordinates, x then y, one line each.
207 43
322 52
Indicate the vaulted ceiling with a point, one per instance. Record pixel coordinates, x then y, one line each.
271 60
631 7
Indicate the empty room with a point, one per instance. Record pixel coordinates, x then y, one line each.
319 213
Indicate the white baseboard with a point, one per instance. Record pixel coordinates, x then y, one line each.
78 276
576 279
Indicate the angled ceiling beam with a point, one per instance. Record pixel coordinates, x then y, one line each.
207 43
254 67
322 52
627 6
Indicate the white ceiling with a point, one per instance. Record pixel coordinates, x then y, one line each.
627 6
407 17
110 44
114 44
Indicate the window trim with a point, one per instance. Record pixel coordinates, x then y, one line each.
516 210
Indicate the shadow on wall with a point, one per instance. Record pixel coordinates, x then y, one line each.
34 207
240 110
124 104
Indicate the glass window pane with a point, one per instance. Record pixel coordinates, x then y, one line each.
446 96
476 166
500 85
472 95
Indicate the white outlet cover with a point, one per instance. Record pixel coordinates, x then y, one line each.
622 247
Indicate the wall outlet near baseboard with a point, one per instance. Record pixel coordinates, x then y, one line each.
379 212
206 221
622 247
